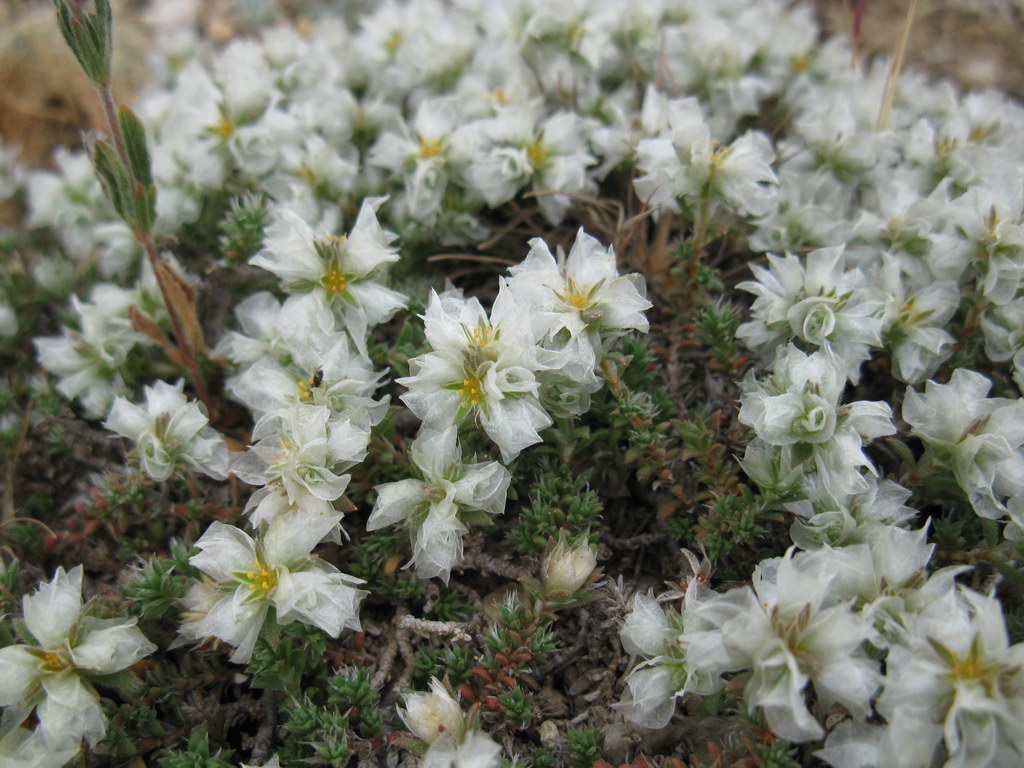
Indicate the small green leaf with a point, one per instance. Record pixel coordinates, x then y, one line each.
90 38
114 177
135 143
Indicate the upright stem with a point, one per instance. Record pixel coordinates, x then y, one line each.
189 352
106 95
892 77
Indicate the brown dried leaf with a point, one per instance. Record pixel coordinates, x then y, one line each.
181 298
145 325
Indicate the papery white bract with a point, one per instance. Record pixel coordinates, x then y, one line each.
248 576
340 271
306 458
580 303
978 437
480 367
170 432
434 509
434 714
50 676
474 750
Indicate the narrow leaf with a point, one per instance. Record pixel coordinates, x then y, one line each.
135 144
114 178
181 299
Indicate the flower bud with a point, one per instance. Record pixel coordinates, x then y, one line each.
565 570
428 715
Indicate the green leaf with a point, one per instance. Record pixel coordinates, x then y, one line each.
135 144
114 177
90 38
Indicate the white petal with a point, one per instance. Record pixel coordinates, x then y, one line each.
325 600
54 608
110 646
70 711
19 669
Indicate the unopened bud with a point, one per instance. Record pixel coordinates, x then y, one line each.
565 570
429 715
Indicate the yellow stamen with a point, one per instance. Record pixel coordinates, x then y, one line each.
430 148
481 335
304 389
223 129
261 578
394 40
282 456
538 154
55 662
971 667
471 392
577 295
334 282
499 96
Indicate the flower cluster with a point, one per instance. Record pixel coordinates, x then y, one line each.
535 355
49 675
950 675
883 217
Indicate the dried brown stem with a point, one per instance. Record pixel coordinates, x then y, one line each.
457 629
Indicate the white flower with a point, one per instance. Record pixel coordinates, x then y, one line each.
474 750
306 457
88 361
22 748
658 634
823 304
170 431
915 322
320 371
1004 330
49 674
579 302
789 632
277 571
797 409
957 680
421 157
270 329
431 715
480 367
340 271
434 509
979 438
564 571
512 149
686 163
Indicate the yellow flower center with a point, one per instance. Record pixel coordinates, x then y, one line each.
979 133
471 392
223 129
538 154
971 667
304 390
430 148
577 295
334 282
307 175
720 153
394 40
800 63
499 96
282 456
481 335
55 662
260 578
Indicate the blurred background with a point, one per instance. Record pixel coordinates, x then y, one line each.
45 100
